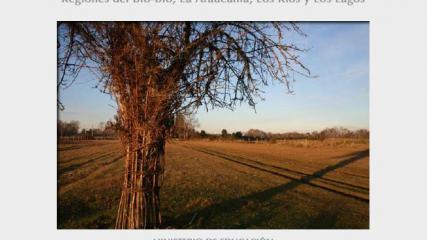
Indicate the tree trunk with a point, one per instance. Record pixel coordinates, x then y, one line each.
140 201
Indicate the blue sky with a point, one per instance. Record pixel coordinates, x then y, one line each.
338 54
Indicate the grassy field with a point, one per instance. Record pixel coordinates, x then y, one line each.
287 185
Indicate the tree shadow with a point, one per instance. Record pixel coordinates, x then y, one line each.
75 209
79 165
233 158
63 149
263 197
326 218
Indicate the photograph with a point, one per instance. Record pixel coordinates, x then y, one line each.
213 125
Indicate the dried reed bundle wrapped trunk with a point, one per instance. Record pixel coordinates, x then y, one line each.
140 200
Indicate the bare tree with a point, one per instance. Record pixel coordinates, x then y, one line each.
224 133
256 134
155 70
68 128
184 126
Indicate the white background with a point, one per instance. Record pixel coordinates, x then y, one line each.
398 113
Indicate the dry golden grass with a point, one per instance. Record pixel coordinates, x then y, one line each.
207 184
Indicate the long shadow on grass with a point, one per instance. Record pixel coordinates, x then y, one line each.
340 190
236 204
63 149
233 158
78 165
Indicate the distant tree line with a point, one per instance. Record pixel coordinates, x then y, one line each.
259 135
105 130
185 128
